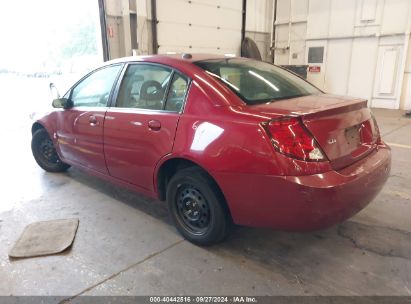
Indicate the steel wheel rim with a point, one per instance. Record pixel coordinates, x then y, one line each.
193 209
48 152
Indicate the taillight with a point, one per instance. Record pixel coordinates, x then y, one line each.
367 132
375 130
290 137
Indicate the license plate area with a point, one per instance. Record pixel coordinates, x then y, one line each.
353 136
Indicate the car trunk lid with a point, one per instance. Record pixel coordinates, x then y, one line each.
342 126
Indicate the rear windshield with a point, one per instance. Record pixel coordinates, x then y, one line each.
257 82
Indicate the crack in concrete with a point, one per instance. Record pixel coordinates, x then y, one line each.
69 299
383 241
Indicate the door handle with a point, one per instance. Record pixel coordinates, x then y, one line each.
93 120
154 125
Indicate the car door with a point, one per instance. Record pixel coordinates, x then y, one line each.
139 129
80 128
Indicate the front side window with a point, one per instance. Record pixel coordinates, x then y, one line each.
257 82
94 90
144 86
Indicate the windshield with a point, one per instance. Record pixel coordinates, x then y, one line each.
257 82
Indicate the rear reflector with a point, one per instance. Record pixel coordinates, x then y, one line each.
290 137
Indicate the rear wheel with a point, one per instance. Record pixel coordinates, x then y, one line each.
45 153
197 207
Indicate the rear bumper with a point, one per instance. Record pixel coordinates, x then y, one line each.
304 203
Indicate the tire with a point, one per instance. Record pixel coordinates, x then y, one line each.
197 207
45 153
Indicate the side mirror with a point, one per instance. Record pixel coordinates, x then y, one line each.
53 90
62 103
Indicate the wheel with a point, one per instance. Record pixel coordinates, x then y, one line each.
45 154
197 207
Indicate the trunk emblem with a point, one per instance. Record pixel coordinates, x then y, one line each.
331 141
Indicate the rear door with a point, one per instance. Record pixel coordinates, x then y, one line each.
140 127
80 128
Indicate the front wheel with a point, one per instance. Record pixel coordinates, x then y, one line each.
197 207
45 153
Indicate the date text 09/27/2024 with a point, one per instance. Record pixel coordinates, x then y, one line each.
205 299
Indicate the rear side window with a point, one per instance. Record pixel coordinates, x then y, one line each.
144 86
257 82
177 93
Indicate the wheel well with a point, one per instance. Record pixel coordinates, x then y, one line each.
169 168
36 126
166 172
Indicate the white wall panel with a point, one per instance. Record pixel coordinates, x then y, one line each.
388 71
368 17
297 43
337 66
281 34
281 42
299 10
259 15
406 85
283 11
368 10
281 58
353 33
206 13
298 31
362 70
212 26
297 50
181 35
318 18
406 92
142 8
342 18
395 16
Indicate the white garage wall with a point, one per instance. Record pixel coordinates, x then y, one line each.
259 14
342 18
318 18
204 26
361 76
406 90
337 67
366 45
201 26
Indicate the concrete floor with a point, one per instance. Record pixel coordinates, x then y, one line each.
126 245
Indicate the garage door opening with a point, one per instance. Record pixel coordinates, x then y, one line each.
43 42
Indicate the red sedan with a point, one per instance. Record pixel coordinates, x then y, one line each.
223 140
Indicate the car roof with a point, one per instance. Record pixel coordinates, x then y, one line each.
181 62
168 58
